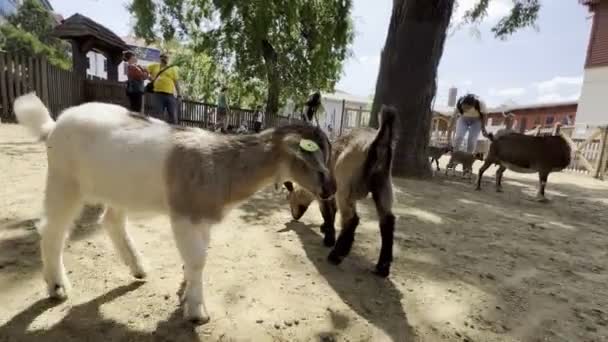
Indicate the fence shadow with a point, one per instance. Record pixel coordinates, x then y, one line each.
84 322
21 253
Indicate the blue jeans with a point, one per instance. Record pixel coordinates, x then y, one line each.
168 102
464 125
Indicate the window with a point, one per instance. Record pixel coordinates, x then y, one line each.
105 65
88 62
549 120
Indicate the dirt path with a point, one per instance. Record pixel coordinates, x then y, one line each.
469 266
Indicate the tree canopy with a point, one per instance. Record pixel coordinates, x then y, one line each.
28 32
524 13
293 47
201 77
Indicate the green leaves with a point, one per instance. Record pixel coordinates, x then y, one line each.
293 46
523 14
28 32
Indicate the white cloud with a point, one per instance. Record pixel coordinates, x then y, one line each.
370 60
508 92
554 84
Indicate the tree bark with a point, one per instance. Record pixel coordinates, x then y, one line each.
274 81
407 77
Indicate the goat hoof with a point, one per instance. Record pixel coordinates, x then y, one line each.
140 275
58 292
329 241
382 271
542 200
195 315
499 190
478 188
334 258
199 320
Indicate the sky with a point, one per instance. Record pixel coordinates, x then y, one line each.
533 65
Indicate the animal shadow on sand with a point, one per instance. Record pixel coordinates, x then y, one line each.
375 299
84 322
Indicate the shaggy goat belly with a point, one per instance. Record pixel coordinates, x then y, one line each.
518 169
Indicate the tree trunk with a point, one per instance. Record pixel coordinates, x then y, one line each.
407 77
274 81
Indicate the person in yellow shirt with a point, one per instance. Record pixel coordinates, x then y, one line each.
166 87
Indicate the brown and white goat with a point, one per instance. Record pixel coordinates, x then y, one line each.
527 154
465 159
361 163
101 153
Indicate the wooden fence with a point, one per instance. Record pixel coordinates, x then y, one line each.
60 89
589 154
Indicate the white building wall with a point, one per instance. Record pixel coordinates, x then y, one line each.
97 66
593 103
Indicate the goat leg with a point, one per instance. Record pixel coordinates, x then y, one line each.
499 172
543 176
483 169
328 211
345 240
387 230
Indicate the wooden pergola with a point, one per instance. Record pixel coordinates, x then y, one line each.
87 35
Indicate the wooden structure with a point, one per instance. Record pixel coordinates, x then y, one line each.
527 117
86 35
60 89
440 124
590 154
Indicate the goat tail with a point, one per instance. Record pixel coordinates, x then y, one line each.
380 155
33 114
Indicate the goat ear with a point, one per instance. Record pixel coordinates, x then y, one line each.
288 186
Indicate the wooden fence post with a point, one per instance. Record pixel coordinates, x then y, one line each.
4 103
603 159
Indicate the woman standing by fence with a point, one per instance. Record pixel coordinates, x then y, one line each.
135 82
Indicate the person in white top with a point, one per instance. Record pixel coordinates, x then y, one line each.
468 118
509 121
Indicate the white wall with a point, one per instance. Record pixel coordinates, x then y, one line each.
593 103
333 113
96 66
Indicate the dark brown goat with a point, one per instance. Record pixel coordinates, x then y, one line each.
527 154
435 152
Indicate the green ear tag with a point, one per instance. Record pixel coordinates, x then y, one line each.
309 145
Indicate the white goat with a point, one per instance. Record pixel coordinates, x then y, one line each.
101 153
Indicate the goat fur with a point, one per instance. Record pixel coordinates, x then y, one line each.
101 153
527 154
361 163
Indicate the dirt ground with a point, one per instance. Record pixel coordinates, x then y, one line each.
469 266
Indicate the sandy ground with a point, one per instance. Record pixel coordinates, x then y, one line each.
469 266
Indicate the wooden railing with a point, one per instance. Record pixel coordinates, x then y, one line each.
60 89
